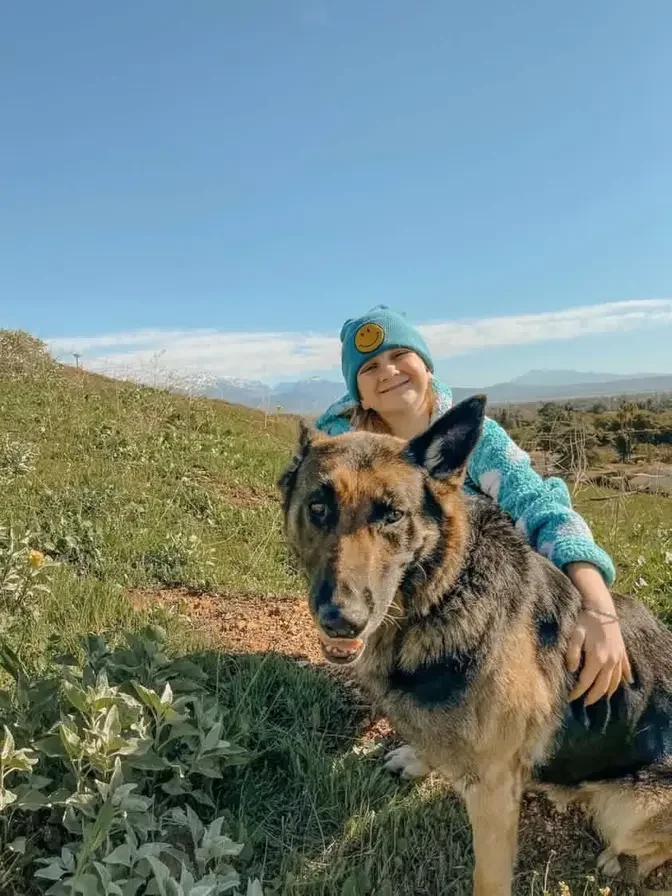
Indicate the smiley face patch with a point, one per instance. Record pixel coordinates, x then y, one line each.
368 338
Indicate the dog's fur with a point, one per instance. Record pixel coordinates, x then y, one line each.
465 630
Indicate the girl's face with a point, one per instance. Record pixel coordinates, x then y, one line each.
395 380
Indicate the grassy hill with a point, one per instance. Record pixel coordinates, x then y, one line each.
115 492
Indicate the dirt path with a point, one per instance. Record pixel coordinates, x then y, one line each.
243 623
259 623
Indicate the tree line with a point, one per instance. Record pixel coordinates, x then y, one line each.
583 432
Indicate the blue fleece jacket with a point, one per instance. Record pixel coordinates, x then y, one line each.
541 508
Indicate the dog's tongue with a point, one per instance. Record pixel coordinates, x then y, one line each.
348 644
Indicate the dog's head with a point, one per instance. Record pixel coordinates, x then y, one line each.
367 513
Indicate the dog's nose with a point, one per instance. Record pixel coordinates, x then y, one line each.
342 622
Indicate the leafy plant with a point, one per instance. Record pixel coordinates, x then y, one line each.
105 799
74 540
22 582
17 458
177 560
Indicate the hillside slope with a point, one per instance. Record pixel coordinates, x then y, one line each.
142 487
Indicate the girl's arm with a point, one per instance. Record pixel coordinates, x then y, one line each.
541 508
542 511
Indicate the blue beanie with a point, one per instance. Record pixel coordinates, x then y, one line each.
377 331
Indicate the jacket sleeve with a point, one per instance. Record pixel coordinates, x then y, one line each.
333 421
541 508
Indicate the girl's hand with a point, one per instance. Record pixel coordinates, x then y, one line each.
598 636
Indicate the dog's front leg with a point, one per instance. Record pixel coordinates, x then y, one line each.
493 806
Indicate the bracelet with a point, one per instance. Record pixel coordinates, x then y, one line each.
612 616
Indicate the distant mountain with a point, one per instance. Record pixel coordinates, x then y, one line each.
307 396
513 392
303 397
312 396
248 392
563 378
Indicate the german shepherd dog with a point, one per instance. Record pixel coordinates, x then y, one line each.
459 629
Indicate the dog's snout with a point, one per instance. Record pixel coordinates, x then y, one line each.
343 622
340 612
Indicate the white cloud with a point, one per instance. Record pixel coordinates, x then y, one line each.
244 355
80 344
459 337
214 353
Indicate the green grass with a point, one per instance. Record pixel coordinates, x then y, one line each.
636 529
325 818
140 488
134 488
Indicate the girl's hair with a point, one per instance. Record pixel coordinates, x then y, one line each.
366 420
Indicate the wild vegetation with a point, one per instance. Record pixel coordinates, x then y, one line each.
620 429
140 757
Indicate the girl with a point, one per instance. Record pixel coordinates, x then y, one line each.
388 371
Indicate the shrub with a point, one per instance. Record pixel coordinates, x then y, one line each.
109 767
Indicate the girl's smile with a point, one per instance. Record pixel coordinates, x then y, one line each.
404 382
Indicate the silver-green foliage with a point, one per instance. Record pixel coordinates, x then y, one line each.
117 760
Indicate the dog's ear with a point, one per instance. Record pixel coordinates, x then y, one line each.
444 449
287 480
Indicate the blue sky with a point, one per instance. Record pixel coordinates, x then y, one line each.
224 182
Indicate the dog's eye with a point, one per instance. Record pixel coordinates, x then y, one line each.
318 511
384 514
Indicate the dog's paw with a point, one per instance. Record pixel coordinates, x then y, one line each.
608 863
406 762
557 797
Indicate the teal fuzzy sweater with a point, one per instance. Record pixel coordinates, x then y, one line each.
541 508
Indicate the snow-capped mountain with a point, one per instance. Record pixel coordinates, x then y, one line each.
312 396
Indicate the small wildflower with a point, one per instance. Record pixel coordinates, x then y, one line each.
668 557
641 560
35 559
641 583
